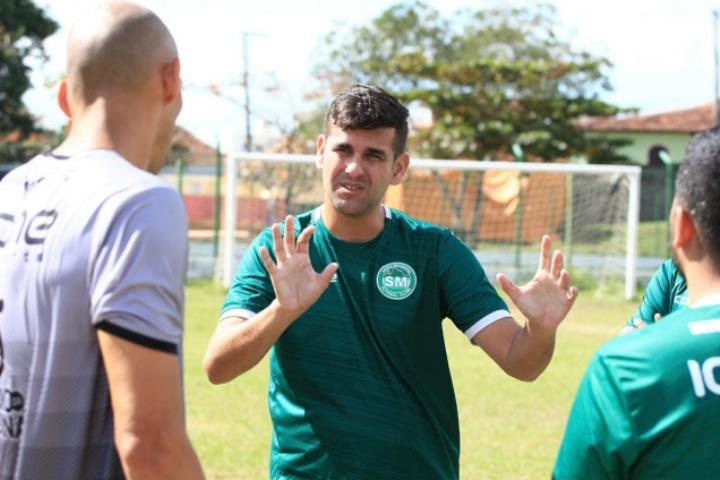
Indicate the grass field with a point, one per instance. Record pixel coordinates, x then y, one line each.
509 429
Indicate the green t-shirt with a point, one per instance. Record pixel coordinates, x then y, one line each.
649 404
666 293
359 384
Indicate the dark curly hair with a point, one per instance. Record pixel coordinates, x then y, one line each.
697 188
362 107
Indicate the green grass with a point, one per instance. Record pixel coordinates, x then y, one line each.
509 429
653 239
229 424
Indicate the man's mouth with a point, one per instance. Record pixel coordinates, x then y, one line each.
350 187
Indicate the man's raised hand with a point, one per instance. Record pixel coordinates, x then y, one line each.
297 285
547 298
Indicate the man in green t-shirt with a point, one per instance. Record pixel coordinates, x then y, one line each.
665 293
359 381
649 404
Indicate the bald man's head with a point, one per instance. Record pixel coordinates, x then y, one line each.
116 47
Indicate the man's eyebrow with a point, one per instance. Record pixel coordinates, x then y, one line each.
342 146
376 151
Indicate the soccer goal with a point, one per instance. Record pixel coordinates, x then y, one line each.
500 209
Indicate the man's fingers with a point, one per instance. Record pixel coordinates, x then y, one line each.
564 281
557 264
572 294
277 242
303 243
657 317
268 261
545 247
327 273
289 238
512 290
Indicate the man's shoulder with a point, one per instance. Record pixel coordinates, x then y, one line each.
18 173
672 274
680 321
115 169
406 222
123 182
95 177
307 218
93 169
111 186
674 334
300 221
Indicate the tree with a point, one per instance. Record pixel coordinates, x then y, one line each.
490 77
23 27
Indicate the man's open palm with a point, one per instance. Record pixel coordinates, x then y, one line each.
547 298
297 285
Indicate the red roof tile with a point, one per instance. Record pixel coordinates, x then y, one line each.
194 145
689 120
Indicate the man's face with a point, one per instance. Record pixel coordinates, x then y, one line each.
357 168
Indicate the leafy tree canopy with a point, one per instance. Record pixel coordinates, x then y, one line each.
490 77
23 27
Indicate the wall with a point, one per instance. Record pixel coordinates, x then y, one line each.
642 142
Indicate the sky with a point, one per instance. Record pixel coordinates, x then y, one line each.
662 53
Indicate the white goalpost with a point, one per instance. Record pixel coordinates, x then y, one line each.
500 209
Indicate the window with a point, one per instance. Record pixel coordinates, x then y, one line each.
654 159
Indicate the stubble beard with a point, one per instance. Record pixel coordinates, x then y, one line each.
351 208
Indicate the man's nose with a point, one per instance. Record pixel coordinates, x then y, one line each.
354 166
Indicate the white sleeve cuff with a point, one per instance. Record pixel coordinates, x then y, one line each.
485 321
238 312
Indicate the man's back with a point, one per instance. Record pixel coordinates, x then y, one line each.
649 405
79 239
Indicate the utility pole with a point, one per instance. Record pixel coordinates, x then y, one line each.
716 16
246 84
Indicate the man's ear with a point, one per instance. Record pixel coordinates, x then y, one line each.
400 167
170 76
684 228
62 98
319 150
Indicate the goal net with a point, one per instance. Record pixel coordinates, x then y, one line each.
499 209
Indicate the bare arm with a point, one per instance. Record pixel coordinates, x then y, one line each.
147 402
238 344
524 352
519 353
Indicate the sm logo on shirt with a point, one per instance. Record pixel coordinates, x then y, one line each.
396 280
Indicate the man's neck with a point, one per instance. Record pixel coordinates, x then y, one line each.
702 283
98 129
355 229
707 300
